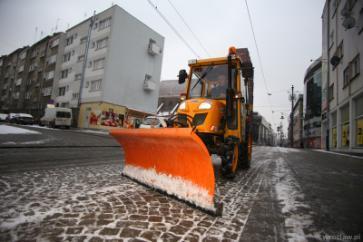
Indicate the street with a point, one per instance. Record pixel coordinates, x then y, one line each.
65 185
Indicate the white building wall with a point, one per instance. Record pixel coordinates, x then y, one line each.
352 46
128 61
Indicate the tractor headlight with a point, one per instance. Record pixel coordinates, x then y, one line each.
205 105
182 106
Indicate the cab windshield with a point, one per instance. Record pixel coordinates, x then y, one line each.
209 81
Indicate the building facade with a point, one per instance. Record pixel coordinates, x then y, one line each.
342 82
44 67
14 71
111 69
169 94
106 69
262 130
312 106
297 124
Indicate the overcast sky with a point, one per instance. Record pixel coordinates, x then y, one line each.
288 34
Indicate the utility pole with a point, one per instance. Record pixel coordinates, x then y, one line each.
292 117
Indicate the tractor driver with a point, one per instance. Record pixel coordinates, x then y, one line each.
219 87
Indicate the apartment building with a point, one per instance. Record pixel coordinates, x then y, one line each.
14 72
110 70
342 82
27 76
262 130
44 58
312 106
295 129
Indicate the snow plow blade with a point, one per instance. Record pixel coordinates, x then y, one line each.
173 160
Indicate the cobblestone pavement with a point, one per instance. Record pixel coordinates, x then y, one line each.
95 203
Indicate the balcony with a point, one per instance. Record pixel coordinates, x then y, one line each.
18 82
47 91
21 69
54 43
51 60
33 67
49 75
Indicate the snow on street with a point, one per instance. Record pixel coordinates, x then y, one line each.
95 203
7 129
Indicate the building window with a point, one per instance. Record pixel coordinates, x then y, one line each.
104 23
80 58
351 71
64 74
61 91
83 40
95 85
99 64
102 43
67 57
69 40
355 67
359 121
65 105
331 39
344 114
346 76
331 92
77 77
75 96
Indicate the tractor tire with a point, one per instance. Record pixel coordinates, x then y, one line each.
244 161
230 162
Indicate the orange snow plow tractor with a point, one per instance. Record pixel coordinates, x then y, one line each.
213 117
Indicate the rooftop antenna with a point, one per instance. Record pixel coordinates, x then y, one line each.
56 25
35 34
41 34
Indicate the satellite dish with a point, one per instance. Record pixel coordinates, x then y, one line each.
335 60
349 22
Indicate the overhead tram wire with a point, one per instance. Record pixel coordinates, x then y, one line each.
173 28
259 58
189 28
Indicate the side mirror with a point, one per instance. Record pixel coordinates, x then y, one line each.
182 76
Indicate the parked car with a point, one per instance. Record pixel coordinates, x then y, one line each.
21 118
57 117
153 122
3 117
10 117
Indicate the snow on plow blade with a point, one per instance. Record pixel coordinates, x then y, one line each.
174 160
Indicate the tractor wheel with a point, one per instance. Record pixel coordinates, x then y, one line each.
230 162
244 158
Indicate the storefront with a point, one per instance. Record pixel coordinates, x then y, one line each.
103 115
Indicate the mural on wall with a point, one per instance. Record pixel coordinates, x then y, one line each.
107 118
